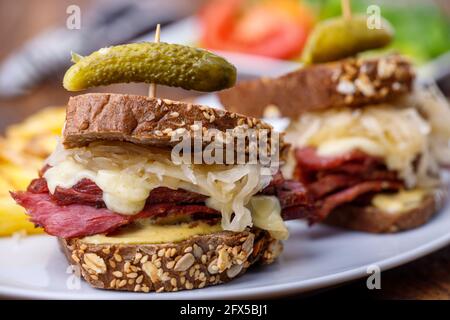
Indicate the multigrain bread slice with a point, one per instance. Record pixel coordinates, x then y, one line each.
371 219
197 262
143 120
349 82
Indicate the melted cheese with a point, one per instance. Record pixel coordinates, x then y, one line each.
267 216
334 147
401 201
153 233
127 173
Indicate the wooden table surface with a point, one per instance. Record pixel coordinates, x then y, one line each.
426 278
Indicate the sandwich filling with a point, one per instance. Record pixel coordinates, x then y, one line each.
107 185
348 155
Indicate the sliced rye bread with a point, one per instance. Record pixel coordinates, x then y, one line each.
349 82
371 219
197 262
143 120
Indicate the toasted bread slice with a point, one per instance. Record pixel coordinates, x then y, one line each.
349 82
197 262
142 120
371 219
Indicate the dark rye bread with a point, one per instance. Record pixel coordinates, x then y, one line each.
371 219
143 120
349 82
197 262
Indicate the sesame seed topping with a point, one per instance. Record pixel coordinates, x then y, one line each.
180 131
345 87
185 262
189 285
144 259
396 86
134 268
195 127
117 274
94 263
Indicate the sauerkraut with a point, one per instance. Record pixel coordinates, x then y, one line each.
412 137
436 109
127 173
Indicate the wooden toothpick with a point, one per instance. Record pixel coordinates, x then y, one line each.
152 88
346 9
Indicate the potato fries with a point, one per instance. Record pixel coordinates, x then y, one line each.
22 153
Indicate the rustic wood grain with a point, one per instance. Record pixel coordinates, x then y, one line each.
426 278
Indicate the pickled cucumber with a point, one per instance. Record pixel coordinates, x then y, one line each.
161 63
338 38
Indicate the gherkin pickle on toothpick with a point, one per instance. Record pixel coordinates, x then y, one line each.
341 37
161 63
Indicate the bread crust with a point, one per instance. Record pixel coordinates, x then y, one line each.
142 120
345 83
374 220
197 262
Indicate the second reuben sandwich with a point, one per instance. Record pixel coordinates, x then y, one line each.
367 142
127 198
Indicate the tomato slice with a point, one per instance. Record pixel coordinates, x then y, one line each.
217 19
275 29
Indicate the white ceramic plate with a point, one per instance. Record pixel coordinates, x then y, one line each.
34 267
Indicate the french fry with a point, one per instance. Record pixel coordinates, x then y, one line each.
22 154
19 178
4 186
13 218
50 120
